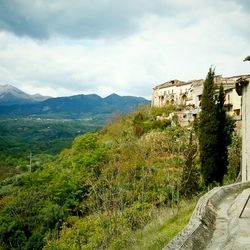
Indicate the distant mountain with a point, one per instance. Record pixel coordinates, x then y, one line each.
39 98
10 95
74 107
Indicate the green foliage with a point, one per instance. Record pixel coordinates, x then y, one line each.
163 110
40 136
224 134
47 197
190 176
145 122
215 130
167 224
44 138
101 191
89 153
208 125
234 158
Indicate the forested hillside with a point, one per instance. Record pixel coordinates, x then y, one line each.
105 191
75 107
104 188
42 138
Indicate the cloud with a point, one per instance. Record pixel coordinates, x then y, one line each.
94 19
41 19
117 46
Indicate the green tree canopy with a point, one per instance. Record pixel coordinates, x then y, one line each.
208 126
215 130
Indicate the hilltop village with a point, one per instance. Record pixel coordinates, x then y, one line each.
188 95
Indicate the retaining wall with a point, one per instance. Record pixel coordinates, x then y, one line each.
201 224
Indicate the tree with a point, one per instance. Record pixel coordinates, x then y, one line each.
224 133
234 159
215 132
190 175
208 130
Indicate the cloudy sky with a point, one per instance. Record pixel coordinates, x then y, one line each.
67 47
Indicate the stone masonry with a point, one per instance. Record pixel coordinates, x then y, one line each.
243 89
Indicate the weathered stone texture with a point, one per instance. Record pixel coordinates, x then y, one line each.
246 132
200 228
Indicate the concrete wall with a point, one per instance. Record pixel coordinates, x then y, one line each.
197 92
201 225
231 97
246 132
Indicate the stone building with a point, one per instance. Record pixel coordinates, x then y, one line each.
189 93
174 92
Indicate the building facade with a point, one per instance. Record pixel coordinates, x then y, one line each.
174 92
188 94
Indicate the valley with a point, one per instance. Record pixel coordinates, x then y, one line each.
42 126
43 138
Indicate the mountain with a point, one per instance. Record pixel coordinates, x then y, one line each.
10 95
39 98
74 107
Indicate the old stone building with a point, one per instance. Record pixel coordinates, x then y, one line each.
174 92
188 94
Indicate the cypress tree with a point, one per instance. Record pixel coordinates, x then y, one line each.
208 131
215 132
224 134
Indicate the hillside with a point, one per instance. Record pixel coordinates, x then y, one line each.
120 188
75 107
103 190
41 137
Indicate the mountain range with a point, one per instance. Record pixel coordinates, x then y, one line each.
10 95
16 103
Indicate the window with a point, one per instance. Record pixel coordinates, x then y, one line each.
237 111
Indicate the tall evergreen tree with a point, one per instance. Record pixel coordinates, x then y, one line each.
215 130
208 131
224 133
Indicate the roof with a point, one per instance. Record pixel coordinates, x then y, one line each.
171 84
226 81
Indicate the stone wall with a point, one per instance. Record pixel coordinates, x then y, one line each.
246 132
201 225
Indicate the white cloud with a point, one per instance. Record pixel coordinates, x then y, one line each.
164 47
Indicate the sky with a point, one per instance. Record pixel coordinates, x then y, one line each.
68 47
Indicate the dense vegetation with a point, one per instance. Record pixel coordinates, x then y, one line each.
104 189
215 132
41 137
119 188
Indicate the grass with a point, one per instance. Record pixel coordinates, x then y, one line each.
162 230
6 172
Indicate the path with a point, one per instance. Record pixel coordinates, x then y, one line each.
232 232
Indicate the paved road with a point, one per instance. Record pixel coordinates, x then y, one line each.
232 232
